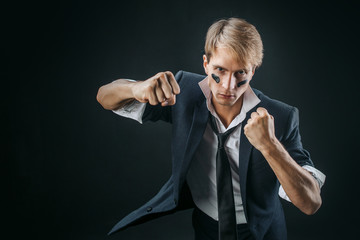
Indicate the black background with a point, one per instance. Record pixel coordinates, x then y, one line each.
71 170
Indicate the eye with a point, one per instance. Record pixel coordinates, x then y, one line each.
220 69
241 72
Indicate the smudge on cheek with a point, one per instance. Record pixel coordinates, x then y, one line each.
242 82
216 78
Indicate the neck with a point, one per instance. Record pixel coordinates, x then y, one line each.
228 113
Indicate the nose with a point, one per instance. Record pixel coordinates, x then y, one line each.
228 82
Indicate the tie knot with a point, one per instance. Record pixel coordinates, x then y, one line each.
222 137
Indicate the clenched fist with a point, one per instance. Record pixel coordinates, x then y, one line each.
161 88
260 129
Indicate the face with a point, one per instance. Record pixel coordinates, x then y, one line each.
227 93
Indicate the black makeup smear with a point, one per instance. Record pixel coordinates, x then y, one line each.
216 78
242 83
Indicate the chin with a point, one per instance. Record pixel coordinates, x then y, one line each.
226 103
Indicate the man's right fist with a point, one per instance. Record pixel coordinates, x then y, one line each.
161 88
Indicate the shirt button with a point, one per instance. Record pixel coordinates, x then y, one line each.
149 209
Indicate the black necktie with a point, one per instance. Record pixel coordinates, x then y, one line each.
225 195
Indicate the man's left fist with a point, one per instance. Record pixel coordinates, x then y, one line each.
260 129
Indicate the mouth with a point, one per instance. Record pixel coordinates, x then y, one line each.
226 96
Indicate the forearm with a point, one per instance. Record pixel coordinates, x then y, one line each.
299 185
115 94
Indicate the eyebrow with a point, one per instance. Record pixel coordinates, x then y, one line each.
218 66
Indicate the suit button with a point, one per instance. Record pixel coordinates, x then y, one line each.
175 201
149 209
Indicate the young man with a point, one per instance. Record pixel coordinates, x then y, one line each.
234 150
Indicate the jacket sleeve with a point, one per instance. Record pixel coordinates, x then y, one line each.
292 140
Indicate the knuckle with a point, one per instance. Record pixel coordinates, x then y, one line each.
163 75
153 102
261 110
149 88
170 75
153 82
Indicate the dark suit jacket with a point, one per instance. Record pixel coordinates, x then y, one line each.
259 185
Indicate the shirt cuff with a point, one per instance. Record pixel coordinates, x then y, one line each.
133 110
319 176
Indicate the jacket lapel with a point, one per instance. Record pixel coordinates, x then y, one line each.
196 132
199 122
244 157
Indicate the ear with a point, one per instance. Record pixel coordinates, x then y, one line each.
253 71
205 64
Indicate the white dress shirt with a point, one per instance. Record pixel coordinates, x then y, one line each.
201 176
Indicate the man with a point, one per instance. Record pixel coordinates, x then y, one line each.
234 150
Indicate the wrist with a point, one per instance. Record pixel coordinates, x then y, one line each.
124 92
133 86
270 147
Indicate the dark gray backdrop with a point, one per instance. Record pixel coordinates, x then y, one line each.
71 170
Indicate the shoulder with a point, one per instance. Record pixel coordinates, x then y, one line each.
189 75
188 78
284 114
189 84
273 105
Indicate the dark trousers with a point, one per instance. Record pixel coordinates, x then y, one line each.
206 228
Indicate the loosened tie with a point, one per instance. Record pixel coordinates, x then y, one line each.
225 194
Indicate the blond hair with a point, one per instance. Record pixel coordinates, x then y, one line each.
239 36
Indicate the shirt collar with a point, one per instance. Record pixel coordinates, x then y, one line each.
250 101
